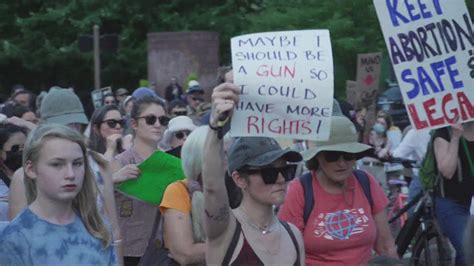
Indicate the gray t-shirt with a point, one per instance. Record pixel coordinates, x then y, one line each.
30 240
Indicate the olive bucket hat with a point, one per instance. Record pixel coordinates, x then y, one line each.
342 137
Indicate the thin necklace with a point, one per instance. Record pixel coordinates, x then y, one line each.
262 229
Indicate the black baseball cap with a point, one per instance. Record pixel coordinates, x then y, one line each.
257 152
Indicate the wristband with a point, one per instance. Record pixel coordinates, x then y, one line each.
212 127
220 127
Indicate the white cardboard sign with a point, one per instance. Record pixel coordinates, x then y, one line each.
431 46
286 84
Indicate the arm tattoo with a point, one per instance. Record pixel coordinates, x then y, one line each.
221 215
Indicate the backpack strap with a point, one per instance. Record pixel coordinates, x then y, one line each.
364 181
154 231
293 239
233 244
307 183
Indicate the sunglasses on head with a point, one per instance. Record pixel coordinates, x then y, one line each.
112 123
270 174
181 134
151 120
333 156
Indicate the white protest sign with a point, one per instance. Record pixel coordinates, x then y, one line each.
286 84
431 46
98 95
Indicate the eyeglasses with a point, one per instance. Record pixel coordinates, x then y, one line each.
178 113
333 156
112 123
270 174
151 120
197 99
181 134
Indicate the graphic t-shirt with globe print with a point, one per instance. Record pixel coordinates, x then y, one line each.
341 228
341 225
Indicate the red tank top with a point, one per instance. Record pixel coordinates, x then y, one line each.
247 255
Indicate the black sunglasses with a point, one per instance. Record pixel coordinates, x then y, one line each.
270 175
181 134
15 148
151 120
333 156
112 123
178 113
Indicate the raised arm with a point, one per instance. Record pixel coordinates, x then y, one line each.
217 211
446 153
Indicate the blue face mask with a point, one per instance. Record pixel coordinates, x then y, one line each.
378 128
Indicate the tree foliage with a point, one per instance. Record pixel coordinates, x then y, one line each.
39 38
353 26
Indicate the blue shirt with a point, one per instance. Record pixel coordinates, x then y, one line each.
30 240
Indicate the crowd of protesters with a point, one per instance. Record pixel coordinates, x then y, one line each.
238 203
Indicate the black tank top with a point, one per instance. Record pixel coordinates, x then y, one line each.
247 255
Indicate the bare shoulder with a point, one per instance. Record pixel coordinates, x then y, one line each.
297 233
217 248
294 229
16 196
18 175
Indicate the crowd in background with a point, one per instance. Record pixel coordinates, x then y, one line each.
234 199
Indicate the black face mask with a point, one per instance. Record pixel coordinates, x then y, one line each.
14 160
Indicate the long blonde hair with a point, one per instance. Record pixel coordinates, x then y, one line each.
85 201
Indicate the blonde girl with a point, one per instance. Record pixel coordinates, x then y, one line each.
61 224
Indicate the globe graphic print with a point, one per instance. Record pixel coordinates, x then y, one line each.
340 224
